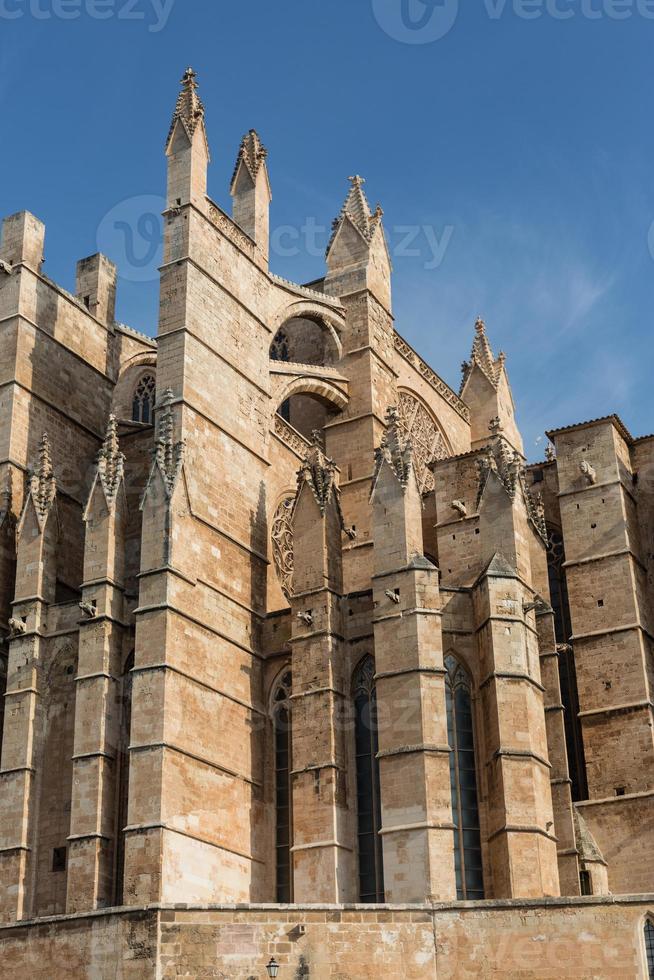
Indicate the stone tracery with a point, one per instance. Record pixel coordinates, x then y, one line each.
282 545
426 438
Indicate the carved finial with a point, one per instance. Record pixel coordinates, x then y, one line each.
357 210
111 462
482 356
252 154
550 454
188 108
508 465
43 486
168 455
395 449
319 472
495 426
317 438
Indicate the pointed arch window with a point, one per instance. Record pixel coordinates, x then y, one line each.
281 716
371 870
122 785
463 782
567 670
143 400
649 948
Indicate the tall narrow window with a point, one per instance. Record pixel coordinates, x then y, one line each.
463 781
567 671
122 758
143 401
283 797
371 871
649 948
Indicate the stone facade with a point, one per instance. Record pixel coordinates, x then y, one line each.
286 619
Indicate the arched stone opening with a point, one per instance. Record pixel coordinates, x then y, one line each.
306 340
309 404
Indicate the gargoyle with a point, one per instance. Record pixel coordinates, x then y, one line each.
588 472
16 627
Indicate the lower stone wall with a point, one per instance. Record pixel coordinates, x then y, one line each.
120 945
585 939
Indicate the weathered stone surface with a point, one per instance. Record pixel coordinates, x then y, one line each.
280 487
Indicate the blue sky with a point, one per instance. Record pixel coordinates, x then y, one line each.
517 148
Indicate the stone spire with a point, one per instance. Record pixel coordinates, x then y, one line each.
357 210
189 110
318 472
482 356
251 191
42 483
500 459
395 449
252 154
111 461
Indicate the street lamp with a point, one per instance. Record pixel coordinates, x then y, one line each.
272 967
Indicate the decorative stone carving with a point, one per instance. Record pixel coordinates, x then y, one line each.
425 437
509 467
293 439
363 682
460 508
319 472
189 110
482 357
167 456
431 377
282 545
550 454
395 449
42 484
252 154
89 609
16 627
279 347
111 462
231 231
588 472
357 210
